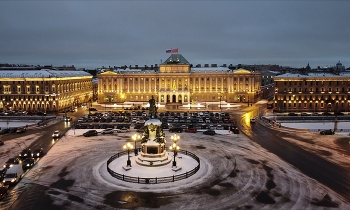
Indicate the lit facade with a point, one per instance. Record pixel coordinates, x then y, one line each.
44 90
316 92
177 83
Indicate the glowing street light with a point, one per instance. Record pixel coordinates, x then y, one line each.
135 138
128 147
175 147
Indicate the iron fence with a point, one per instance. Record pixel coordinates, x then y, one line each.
153 180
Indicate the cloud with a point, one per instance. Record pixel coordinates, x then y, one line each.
92 34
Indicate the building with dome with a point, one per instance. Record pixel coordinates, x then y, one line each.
177 82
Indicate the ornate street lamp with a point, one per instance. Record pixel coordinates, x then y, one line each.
174 147
135 138
128 147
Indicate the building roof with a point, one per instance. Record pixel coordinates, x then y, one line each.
313 75
176 59
46 73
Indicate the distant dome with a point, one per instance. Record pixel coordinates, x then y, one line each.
339 64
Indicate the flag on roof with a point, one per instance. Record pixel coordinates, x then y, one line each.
168 51
176 50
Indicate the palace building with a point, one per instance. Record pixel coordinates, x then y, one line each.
45 90
177 82
314 92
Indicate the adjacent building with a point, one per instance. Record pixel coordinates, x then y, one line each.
177 82
45 90
313 92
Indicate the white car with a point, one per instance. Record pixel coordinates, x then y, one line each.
123 130
107 130
56 134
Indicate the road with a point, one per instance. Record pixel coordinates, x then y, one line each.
327 173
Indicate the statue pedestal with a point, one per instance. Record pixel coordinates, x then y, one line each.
153 160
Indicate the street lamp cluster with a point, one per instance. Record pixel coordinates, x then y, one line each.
135 138
128 147
175 147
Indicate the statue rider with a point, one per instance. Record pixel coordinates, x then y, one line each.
152 108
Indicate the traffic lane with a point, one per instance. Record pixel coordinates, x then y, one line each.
327 173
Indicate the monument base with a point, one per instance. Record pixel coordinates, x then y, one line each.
153 160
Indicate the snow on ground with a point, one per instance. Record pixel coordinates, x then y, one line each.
235 173
325 146
317 125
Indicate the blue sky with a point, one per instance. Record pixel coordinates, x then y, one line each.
92 34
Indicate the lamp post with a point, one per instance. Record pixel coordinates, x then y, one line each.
128 147
220 103
174 147
135 137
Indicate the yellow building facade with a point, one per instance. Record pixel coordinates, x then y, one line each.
44 90
176 82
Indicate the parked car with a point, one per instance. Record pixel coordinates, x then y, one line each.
292 114
1 143
123 130
12 161
305 114
327 132
26 153
4 131
56 134
37 153
175 129
90 133
107 131
28 163
191 130
209 132
219 127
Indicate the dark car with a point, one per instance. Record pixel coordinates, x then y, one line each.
28 163
327 114
327 132
209 132
12 130
1 143
2 174
21 130
234 129
191 130
3 191
26 153
4 131
90 133
38 153
12 161
292 114
175 129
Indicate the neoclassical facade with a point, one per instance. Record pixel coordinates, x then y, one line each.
315 92
177 82
44 90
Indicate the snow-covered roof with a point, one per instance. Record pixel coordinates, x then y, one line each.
313 75
208 69
47 73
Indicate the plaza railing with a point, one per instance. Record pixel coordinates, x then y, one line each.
153 180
